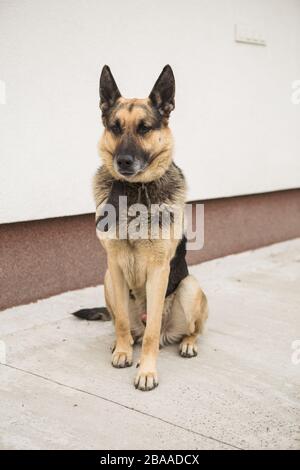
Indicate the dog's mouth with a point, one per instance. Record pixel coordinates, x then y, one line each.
129 170
127 173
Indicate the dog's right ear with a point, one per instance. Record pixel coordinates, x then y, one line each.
108 90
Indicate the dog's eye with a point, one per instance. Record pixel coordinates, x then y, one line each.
143 129
116 128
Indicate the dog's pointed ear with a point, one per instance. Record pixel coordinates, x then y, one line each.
162 95
108 90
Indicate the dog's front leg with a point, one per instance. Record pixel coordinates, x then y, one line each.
156 286
122 353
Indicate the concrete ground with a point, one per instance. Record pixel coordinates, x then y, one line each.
59 391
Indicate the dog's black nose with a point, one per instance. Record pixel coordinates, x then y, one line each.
125 163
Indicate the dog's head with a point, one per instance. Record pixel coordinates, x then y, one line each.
137 143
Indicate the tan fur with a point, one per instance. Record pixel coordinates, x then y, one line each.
159 142
138 270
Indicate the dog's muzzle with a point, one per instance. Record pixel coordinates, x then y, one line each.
127 165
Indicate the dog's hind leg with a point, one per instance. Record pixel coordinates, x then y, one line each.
189 308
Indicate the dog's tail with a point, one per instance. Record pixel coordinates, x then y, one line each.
93 314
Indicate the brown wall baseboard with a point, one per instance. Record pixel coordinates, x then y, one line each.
46 257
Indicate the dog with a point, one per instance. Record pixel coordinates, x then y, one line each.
149 294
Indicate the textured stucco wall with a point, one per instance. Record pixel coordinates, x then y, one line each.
236 128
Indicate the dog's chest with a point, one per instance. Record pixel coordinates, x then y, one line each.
132 259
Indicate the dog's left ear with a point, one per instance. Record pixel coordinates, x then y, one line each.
108 90
162 95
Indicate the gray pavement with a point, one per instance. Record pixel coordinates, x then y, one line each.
59 391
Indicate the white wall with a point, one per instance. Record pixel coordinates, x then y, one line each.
235 126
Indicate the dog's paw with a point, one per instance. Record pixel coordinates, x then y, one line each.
120 359
187 349
146 381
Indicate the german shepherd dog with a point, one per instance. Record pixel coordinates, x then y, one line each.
149 294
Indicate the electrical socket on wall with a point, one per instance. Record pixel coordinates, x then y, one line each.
249 34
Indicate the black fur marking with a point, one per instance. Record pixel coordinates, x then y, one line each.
163 92
157 119
131 295
108 91
128 146
160 191
93 314
178 267
137 193
152 114
117 190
